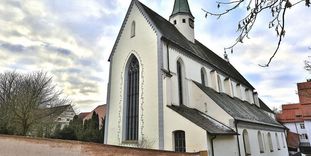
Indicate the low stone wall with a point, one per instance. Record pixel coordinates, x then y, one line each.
16 145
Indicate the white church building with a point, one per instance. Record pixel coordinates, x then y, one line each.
168 91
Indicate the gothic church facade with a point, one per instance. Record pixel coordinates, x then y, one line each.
168 91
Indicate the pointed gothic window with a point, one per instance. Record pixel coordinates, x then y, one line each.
179 141
270 142
283 141
247 147
132 99
260 142
203 77
277 141
133 29
180 77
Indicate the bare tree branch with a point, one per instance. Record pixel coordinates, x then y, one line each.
277 9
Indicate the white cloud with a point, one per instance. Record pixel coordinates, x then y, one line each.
72 40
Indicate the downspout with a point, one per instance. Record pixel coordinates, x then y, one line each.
212 143
238 141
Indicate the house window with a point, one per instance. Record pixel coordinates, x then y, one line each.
302 126
184 20
219 83
175 22
132 99
304 136
270 142
133 29
203 77
59 119
260 142
180 77
179 141
247 147
277 141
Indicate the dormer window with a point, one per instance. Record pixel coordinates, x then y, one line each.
184 20
133 29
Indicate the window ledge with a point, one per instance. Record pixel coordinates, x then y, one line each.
130 142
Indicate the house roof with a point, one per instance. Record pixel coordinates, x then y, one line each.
204 121
52 112
100 111
238 109
181 6
83 115
196 49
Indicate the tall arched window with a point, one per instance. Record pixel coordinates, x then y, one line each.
270 142
203 77
179 141
260 142
219 84
277 141
133 29
247 147
180 77
132 99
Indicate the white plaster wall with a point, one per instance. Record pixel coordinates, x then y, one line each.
195 136
308 129
291 127
144 47
254 144
226 146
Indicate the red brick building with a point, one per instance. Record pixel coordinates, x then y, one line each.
297 117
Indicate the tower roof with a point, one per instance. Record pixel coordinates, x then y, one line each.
181 6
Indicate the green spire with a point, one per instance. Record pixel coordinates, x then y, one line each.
181 6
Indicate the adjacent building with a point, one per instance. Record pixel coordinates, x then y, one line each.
100 111
297 117
168 91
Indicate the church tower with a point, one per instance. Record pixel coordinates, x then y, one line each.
183 19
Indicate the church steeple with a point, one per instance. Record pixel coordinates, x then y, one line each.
183 19
181 7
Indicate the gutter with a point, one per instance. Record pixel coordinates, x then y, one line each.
212 142
238 141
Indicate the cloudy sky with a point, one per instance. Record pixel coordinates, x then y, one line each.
72 39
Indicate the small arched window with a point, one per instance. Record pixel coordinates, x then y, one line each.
179 141
180 78
277 141
260 142
220 89
270 142
247 147
203 77
133 29
132 99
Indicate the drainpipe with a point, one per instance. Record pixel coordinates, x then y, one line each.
236 129
212 142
